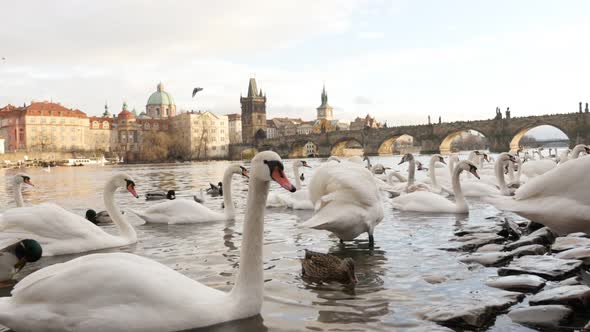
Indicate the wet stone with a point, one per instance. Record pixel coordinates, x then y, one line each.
478 229
472 242
491 248
576 296
519 283
547 267
540 236
569 282
532 249
578 234
473 313
542 315
582 254
566 243
487 258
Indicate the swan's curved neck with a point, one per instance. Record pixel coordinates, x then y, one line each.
459 198
229 209
576 152
250 281
127 231
499 168
510 171
452 162
411 172
297 178
395 174
18 195
481 159
432 173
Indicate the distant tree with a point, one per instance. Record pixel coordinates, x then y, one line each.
529 141
155 146
469 141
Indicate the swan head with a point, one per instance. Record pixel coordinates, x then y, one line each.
468 166
122 180
505 157
27 251
267 166
587 149
406 158
300 163
439 158
237 169
22 178
485 157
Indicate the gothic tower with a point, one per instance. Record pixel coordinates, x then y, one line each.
325 111
253 114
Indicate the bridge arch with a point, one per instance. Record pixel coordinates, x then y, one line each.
303 149
398 144
448 144
347 146
518 137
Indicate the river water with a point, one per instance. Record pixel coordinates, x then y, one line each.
392 294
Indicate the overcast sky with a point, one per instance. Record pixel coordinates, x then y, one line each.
398 60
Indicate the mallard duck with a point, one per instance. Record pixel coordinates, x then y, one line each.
15 254
156 196
318 267
101 217
215 190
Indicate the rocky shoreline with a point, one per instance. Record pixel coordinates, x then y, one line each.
540 282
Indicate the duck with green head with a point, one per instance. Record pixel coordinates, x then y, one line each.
16 254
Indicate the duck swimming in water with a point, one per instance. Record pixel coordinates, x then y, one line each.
101 217
318 267
215 190
16 254
156 196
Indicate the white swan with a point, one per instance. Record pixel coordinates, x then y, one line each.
185 211
434 186
425 201
535 168
346 200
18 181
558 199
298 200
411 185
575 153
62 232
375 169
481 189
142 294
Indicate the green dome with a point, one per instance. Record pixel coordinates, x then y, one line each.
160 97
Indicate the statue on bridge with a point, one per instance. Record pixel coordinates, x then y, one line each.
498 114
580 107
507 113
439 120
431 123
586 109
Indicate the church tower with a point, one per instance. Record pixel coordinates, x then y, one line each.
325 111
253 114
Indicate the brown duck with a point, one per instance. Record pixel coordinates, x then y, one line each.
318 267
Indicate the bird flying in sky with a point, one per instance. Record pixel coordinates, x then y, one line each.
195 90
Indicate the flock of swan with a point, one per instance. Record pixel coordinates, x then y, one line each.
347 197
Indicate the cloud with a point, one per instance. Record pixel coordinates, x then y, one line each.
138 31
361 100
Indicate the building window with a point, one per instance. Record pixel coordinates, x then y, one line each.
147 126
105 124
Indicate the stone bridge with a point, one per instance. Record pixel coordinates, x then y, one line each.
502 134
